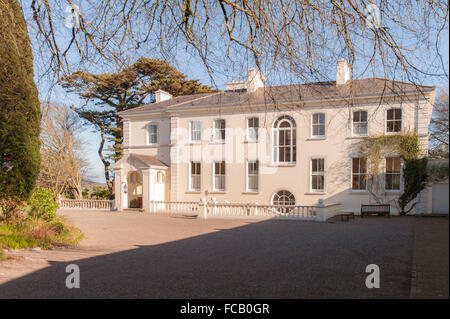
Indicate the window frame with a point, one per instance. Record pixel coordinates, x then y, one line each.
324 126
311 189
149 125
190 188
191 140
352 123
214 186
215 139
279 191
275 140
247 176
394 120
400 174
351 175
247 120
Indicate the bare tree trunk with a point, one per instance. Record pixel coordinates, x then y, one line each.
106 163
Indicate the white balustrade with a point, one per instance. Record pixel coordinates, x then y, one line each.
85 204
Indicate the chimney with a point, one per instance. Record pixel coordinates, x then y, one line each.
255 80
236 86
161 95
343 73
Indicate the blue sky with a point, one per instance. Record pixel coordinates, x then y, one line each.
224 71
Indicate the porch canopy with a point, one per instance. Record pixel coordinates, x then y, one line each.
147 166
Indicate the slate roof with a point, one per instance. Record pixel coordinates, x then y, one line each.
295 93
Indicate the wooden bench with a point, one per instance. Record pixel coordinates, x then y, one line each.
376 209
346 216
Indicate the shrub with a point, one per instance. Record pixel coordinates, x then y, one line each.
29 232
42 204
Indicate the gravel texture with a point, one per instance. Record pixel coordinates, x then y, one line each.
137 255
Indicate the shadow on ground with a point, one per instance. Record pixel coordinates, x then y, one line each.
269 259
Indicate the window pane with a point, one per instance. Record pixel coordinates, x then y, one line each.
390 126
363 165
355 182
390 114
322 118
363 116
321 130
363 182
356 116
396 164
355 165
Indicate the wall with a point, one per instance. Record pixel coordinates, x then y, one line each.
337 149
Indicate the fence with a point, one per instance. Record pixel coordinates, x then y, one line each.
86 204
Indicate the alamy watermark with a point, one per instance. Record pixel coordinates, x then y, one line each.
72 20
373 280
373 19
73 279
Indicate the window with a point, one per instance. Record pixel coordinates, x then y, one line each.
195 131
317 175
359 173
152 134
284 140
252 129
359 123
219 130
283 198
252 176
219 176
195 173
393 172
318 125
393 120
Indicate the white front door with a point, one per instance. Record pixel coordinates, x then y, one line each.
157 187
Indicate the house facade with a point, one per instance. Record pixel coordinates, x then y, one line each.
279 145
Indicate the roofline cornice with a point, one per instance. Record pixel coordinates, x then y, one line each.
426 95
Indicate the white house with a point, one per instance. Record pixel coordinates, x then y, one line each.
281 145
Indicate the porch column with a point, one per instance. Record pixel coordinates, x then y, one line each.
118 189
146 189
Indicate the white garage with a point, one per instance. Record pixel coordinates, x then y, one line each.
440 198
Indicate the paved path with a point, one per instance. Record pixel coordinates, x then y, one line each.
135 255
431 258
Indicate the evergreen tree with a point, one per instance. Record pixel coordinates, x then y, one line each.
19 109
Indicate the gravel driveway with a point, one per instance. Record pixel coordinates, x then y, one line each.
136 255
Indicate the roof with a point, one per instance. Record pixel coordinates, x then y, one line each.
294 93
148 159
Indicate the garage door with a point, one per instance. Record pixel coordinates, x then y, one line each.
440 198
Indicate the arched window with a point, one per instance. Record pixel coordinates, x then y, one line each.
284 140
283 198
160 177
